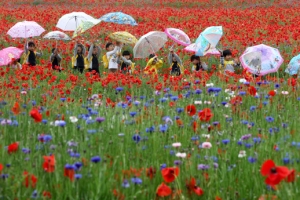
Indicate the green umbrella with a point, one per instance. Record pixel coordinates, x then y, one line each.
84 26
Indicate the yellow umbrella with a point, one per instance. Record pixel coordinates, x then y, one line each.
123 37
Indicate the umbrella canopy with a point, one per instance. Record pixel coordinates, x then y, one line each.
85 25
294 65
7 54
57 35
178 36
25 29
149 44
208 40
119 18
123 37
193 48
261 59
70 22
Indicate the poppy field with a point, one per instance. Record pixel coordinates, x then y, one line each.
201 135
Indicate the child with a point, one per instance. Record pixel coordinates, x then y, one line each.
197 64
31 54
78 60
126 64
153 64
112 55
93 55
15 64
227 62
176 64
55 59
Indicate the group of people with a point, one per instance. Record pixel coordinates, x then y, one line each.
115 60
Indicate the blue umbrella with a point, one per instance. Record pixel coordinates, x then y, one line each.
208 40
293 66
119 18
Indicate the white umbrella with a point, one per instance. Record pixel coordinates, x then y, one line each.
149 44
25 29
57 35
261 59
71 21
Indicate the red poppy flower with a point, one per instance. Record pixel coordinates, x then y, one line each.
34 113
190 110
1 168
49 163
163 190
275 174
13 147
252 90
169 174
192 188
70 173
47 194
16 108
236 100
150 172
291 176
205 115
29 180
272 93
172 104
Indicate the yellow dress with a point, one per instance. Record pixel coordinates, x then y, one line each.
150 67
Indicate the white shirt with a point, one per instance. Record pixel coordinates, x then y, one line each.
113 58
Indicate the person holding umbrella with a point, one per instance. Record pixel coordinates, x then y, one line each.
55 59
175 63
30 54
78 61
94 52
153 64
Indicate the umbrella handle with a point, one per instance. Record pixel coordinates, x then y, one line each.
150 45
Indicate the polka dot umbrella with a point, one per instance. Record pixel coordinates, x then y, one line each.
25 29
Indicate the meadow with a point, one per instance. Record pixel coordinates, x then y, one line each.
202 135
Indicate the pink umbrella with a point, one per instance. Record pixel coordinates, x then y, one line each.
178 36
193 48
25 29
7 54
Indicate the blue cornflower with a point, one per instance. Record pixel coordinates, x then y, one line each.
34 194
179 110
95 159
162 100
256 140
242 93
78 176
63 99
119 89
286 160
132 114
223 103
125 184
136 180
226 141
198 91
162 166
163 128
252 159
277 85
26 150
75 155
136 138
174 98
252 108
248 145
150 129
269 119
